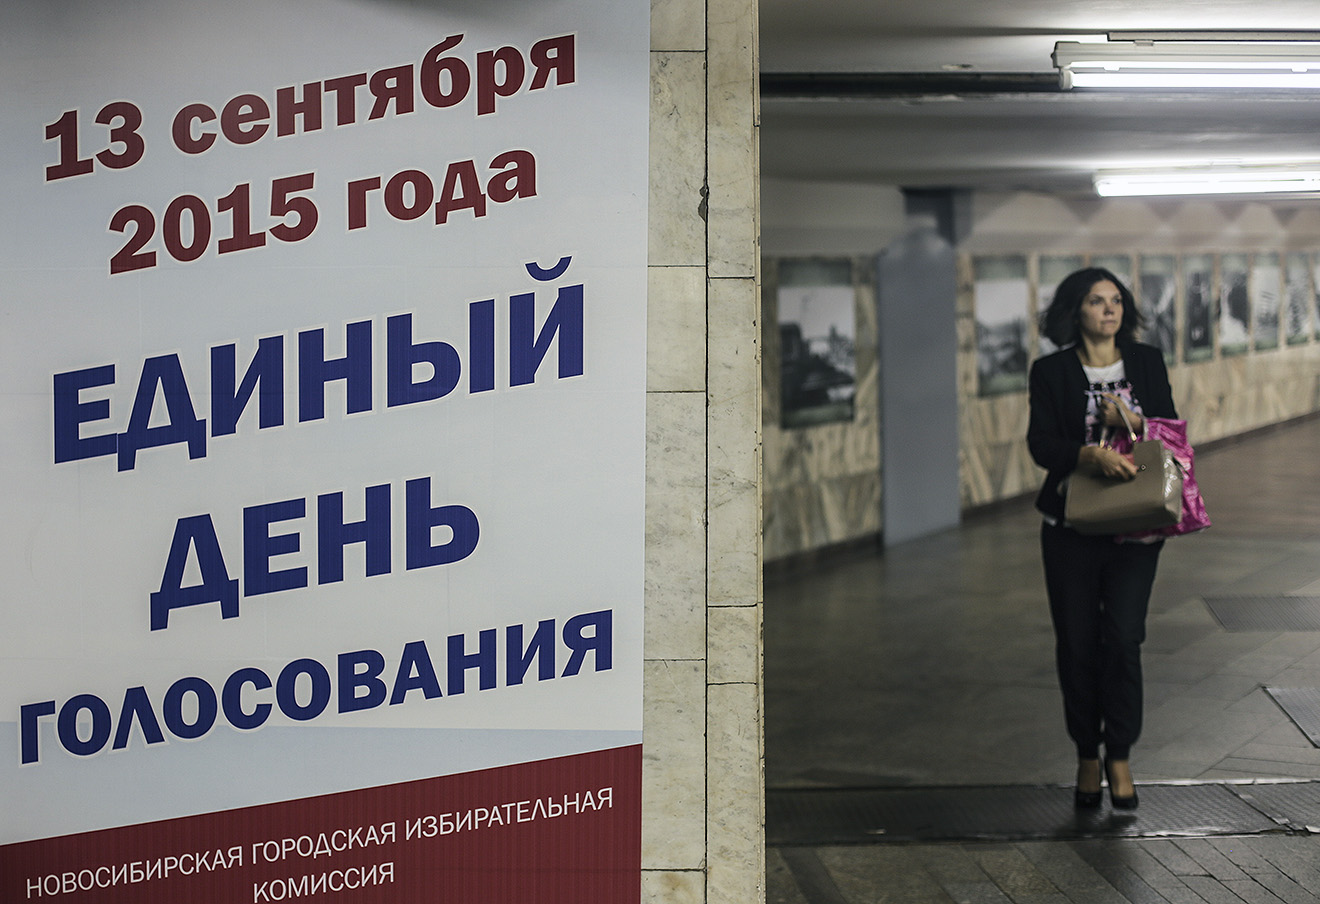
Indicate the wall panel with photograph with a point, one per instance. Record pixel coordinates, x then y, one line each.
1118 264
1234 304
1052 268
1313 265
1315 283
1266 280
1157 286
817 341
1198 272
1002 305
1297 295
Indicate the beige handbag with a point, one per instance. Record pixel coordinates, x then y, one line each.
1106 505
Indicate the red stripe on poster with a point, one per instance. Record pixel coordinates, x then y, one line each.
559 831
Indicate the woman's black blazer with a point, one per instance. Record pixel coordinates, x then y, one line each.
1056 431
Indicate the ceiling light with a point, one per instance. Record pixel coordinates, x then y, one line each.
1187 64
1209 181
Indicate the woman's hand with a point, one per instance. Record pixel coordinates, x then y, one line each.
1105 462
1112 411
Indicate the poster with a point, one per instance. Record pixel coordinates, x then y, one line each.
1266 279
1002 295
1315 282
817 342
1199 307
1157 285
1054 269
1297 298
1118 264
1234 304
323 438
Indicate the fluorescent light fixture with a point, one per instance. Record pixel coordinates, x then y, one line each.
1188 64
1209 181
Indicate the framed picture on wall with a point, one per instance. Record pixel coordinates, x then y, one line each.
1001 301
1157 283
1266 280
1297 295
1315 284
1052 270
1118 264
1198 307
817 342
1234 305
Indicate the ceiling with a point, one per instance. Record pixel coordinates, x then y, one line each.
963 94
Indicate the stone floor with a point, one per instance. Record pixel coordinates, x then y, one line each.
931 666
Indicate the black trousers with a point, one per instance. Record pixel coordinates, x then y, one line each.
1099 591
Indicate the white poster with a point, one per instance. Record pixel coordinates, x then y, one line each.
323 359
1002 298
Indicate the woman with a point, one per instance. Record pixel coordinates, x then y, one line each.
1098 588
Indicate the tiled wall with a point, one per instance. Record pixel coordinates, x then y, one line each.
702 836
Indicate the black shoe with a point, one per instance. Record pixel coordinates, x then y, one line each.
1123 803
1085 800
1120 803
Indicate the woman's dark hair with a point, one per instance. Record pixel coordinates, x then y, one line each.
1061 322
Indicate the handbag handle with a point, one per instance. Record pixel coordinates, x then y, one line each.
1122 412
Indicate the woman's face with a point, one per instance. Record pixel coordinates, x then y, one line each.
1101 313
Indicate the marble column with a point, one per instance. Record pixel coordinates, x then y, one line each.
703 772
